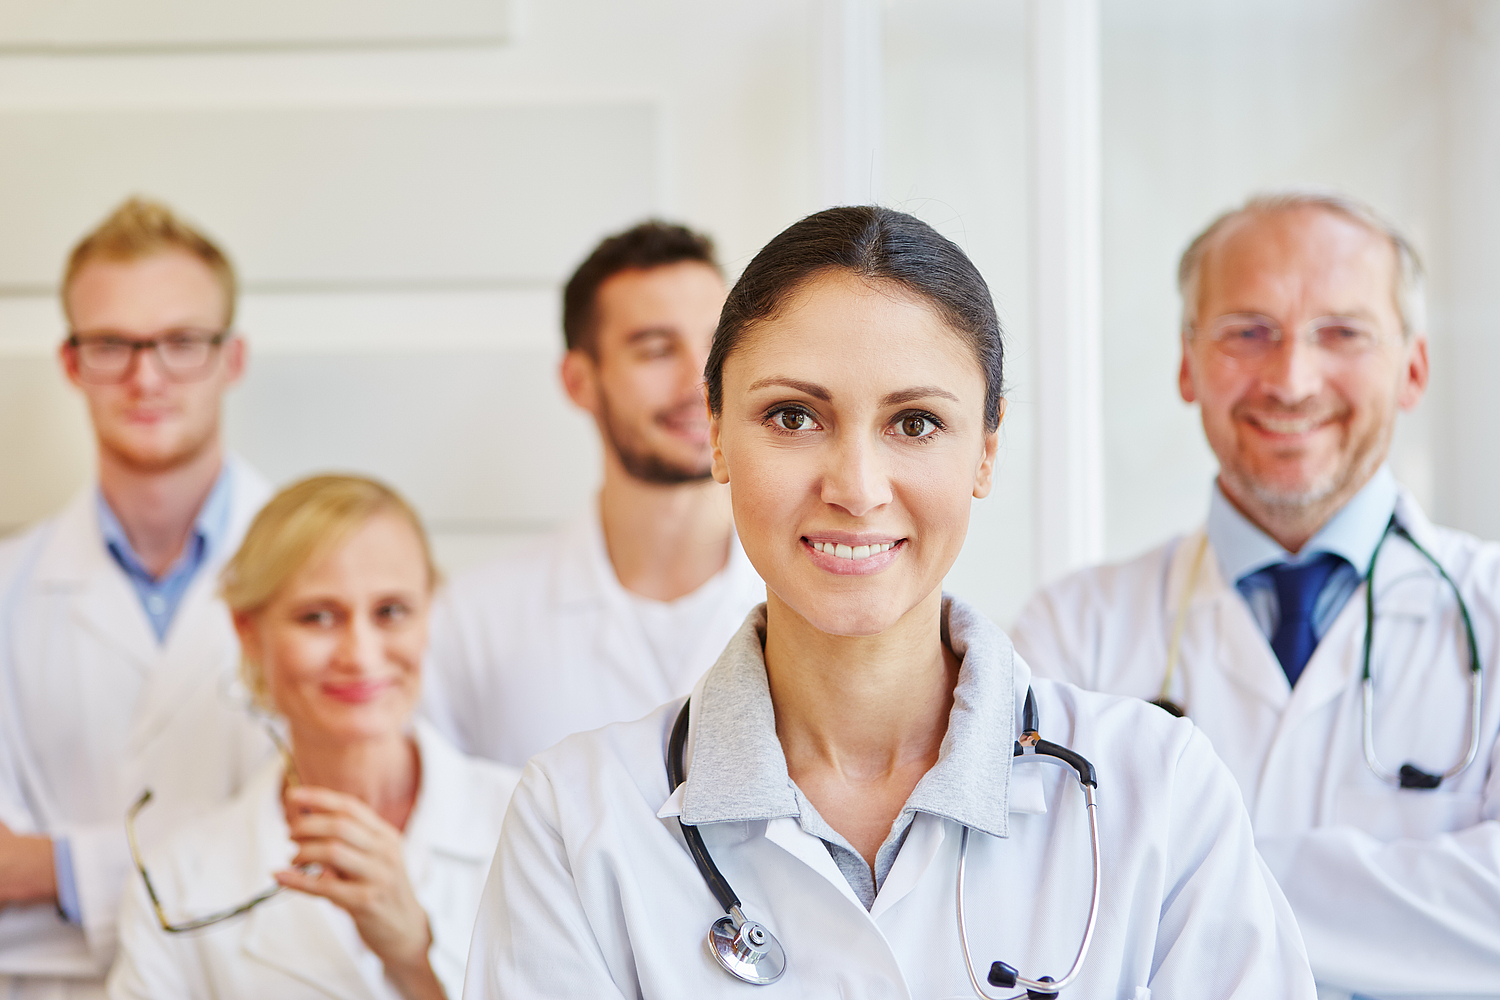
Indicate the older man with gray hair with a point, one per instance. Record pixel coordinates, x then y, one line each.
1330 640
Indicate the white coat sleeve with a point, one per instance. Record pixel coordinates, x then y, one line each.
1413 916
150 964
101 870
534 937
1226 929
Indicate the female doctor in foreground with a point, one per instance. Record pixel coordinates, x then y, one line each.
853 821
382 831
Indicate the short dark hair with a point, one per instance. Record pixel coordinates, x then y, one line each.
877 244
649 244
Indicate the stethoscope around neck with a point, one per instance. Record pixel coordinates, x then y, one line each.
749 951
1408 775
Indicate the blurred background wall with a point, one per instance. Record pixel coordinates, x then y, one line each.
404 184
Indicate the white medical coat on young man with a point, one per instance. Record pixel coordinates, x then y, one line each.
297 946
546 642
93 709
1397 891
593 892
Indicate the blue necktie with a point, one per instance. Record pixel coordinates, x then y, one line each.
1297 589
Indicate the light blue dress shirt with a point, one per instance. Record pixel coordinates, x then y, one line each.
1244 549
160 597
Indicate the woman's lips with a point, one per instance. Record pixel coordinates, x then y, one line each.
356 692
853 560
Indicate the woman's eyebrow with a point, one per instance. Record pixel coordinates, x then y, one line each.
915 393
810 388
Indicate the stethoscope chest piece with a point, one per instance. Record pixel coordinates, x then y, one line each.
747 951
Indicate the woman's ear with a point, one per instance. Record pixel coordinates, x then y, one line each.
984 476
719 468
249 636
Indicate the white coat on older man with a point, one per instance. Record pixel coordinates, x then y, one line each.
1397 890
295 945
93 709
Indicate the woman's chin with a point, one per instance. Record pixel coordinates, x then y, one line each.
848 615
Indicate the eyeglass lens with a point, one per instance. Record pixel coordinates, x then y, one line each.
182 355
1252 338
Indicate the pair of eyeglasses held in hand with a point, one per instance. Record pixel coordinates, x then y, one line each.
198 923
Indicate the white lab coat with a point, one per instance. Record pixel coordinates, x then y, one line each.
594 894
545 642
297 946
93 709
1397 891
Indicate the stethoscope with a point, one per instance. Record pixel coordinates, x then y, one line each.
1409 775
750 952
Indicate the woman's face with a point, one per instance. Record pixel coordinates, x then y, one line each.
341 645
852 434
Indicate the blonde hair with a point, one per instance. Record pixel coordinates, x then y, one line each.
1410 291
141 228
299 525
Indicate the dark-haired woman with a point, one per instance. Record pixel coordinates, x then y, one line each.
868 795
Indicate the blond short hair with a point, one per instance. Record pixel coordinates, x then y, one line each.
299 525
142 228
1409 293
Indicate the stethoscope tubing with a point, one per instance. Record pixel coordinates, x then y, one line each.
1035 985
1367 684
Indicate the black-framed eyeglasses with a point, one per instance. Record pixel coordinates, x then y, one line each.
198 923
107 357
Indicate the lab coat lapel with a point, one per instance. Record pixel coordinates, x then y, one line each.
200 646
1242 651
291 934
102 600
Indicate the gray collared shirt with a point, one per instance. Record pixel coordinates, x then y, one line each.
739 773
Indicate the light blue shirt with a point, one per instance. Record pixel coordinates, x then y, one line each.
160 597
1244 549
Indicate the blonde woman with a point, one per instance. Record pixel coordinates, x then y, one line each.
378 830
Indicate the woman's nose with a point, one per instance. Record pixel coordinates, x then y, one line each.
361 644
855 477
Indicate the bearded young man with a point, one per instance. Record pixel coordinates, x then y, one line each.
624 609
1303 338
116 654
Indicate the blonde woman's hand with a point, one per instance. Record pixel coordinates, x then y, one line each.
361 870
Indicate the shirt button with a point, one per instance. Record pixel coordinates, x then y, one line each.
156 604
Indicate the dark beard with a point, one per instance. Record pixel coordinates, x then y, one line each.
643 464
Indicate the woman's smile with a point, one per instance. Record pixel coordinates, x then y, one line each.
852 555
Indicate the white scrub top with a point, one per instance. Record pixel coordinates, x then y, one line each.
296 946
93 709
1397 891
593 892
546 642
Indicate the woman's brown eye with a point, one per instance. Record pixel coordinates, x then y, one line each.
792 420
914 426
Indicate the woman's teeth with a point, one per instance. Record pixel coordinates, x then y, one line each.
852 551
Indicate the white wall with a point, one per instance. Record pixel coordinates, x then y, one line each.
426 258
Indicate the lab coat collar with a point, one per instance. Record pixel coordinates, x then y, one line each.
741 774
75 559
447 817
1351 533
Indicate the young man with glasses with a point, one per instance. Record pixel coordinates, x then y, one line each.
627 607
1303 337
115 653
